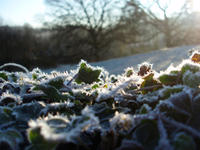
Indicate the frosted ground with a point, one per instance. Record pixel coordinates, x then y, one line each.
160 59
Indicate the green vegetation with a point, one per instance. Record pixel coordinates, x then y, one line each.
88 109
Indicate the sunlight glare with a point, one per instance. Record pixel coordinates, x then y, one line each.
196 5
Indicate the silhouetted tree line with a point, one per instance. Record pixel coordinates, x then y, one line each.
92 30
22 45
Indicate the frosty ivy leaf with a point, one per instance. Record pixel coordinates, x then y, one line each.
191 79
38 141
169 79
178 107
87 74
28 111
104 113
7 100
13 77
189 67
182 141
4 76
149 81
57 82
147 134
196 58
12 137
168 91
51 92
5 116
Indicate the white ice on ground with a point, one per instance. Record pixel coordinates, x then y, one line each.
160 59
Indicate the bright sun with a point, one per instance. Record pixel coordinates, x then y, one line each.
196 5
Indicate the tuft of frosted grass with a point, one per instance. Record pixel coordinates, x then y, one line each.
121 122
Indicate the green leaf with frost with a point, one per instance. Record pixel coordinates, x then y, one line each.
12 137
149 81
147 134
95 86
57 82
38 142
87 74
183 141
4 76
28 111
34 76
51 92
169 79
191 79
167 92
189 67
5 115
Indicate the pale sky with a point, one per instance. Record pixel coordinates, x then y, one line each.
19 12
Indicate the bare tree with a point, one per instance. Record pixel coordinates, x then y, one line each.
94 20
165 19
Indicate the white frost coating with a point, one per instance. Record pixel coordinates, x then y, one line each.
168 70
16 97
106 94
121 122
14 65
137 118
149 97
70 133
191 130
66 104
169 104
191 79
46 130
148 64
147 107
164 143
165 88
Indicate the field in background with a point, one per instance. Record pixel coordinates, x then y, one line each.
160 59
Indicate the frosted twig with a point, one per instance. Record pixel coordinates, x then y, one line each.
149 87
163 142
14 65
74 77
